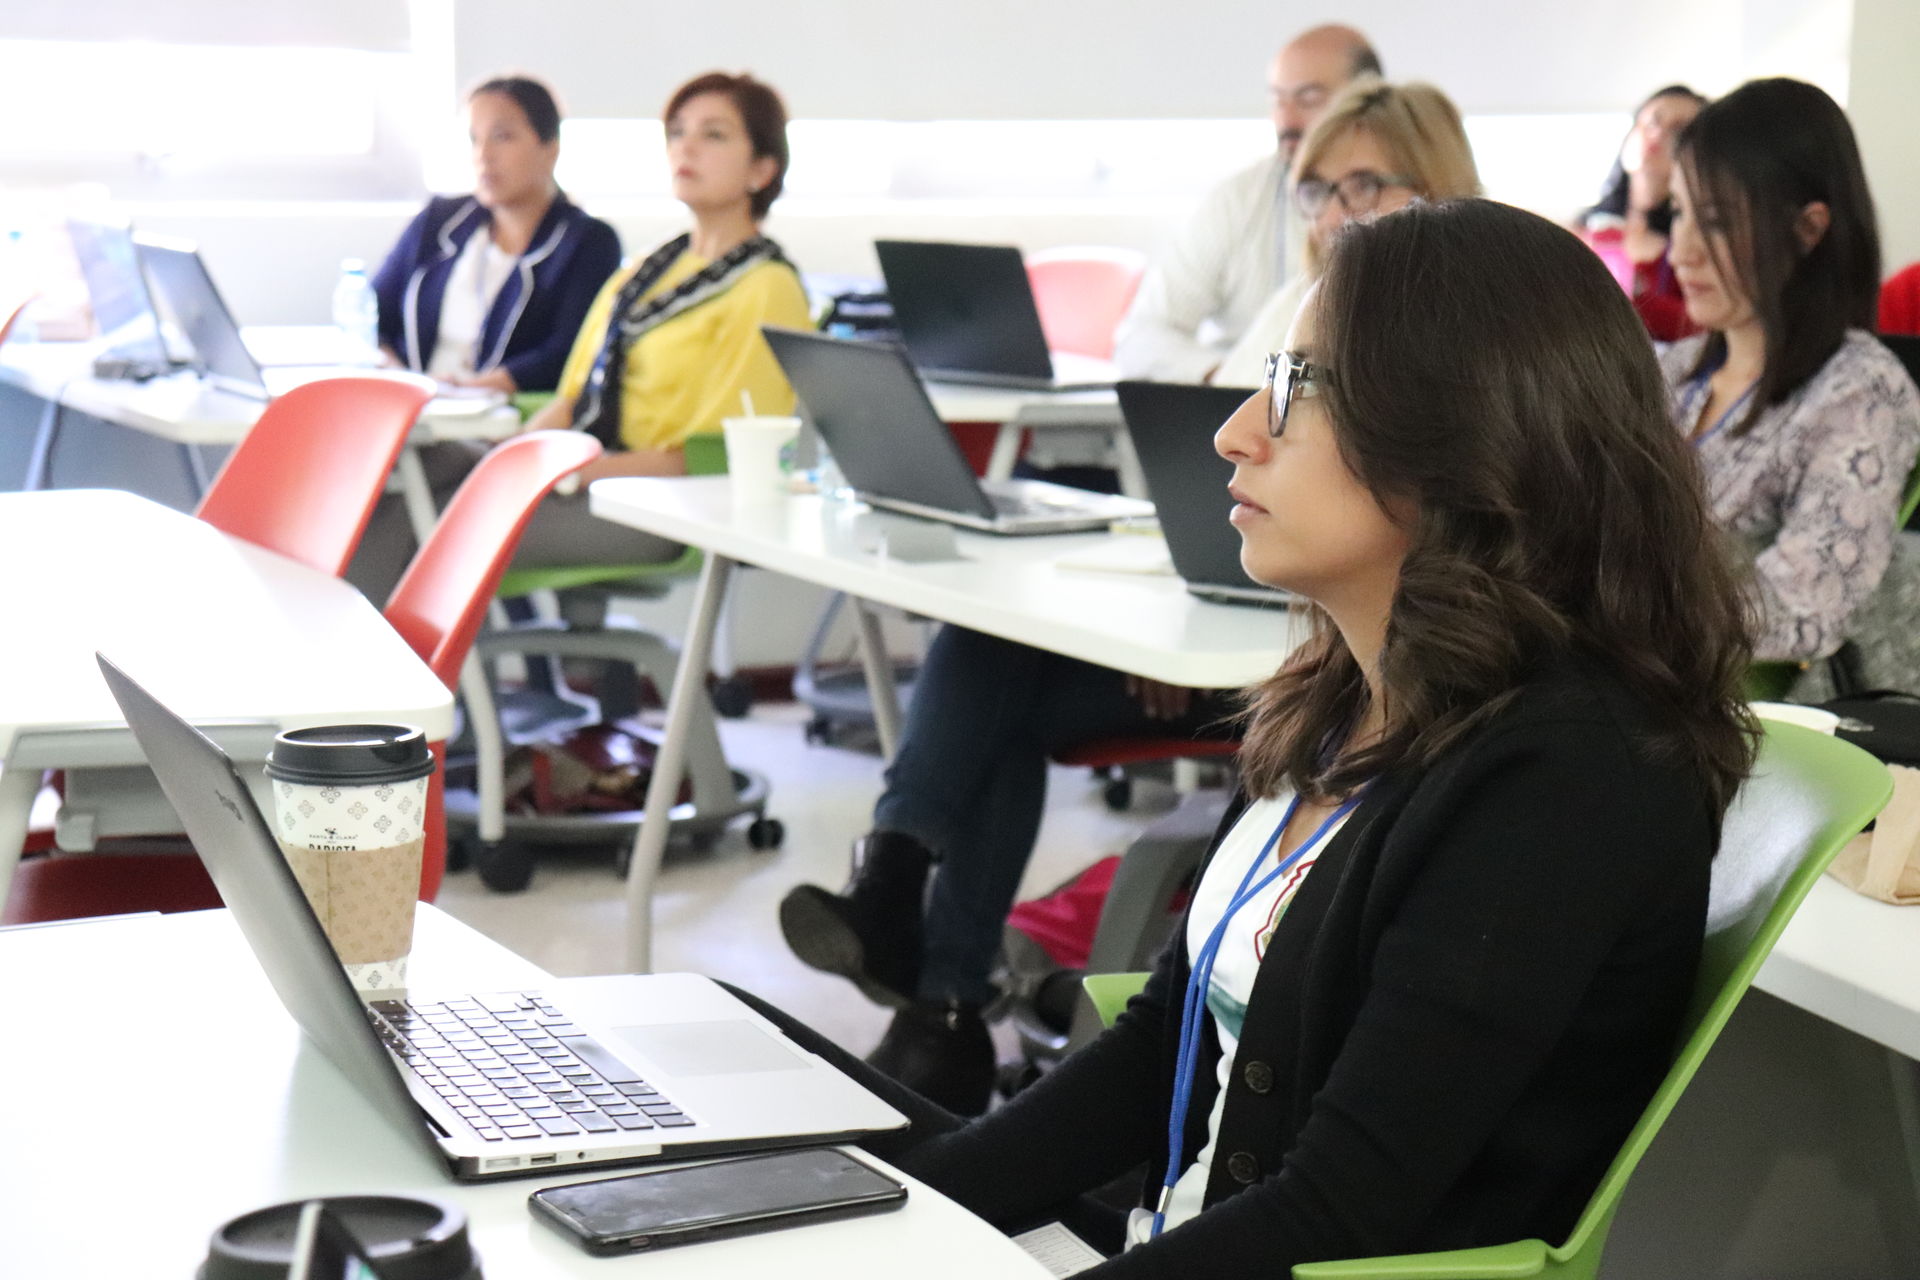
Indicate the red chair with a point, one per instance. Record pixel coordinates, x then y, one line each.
1900 301
303 482
1082 294
442 598
11 314
1111 758
437 608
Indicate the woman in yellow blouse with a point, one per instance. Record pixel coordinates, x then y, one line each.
671 342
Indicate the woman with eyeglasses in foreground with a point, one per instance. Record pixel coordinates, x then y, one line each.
1378 148
1437 960
1805 425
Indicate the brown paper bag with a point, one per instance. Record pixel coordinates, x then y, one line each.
1884 863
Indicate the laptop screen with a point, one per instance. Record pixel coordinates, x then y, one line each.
868 404
187 292
965 307
1172 428
122 307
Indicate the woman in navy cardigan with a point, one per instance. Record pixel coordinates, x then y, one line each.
489 290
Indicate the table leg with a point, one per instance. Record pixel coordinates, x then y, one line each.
40 458
1006 451
416 493
1133 479
670 761
879 672
483 718
18 787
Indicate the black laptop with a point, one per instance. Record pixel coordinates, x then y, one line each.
871 408
1171 426
966 314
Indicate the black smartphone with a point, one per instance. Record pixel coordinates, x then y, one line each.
722 1198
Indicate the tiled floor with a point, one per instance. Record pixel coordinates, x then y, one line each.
715 914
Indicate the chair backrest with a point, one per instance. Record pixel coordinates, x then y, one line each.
1900 301
440 600
9 313
1809 794
304 480
1081 295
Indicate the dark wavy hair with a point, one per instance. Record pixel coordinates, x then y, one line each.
1484 368
1614 191
761 110
1757 158
534 99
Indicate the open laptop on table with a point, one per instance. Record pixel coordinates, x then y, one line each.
123 307
1171 426
670 1065
966 314
871 408
227 361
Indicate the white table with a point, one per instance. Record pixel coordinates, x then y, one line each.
165 1026
186 410
1016 411
1015 588
238 639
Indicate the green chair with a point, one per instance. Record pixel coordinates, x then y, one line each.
1808 796
501 847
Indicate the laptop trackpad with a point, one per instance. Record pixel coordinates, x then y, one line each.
711 1048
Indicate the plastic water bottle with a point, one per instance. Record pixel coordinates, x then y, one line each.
356 313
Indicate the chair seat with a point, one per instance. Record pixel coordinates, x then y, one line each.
523 582
76 886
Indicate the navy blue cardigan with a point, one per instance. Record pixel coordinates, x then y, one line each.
539 310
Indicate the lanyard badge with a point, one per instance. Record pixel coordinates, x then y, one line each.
1193 1005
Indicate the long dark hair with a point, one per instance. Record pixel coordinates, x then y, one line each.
1758 157
1614 191
1483 366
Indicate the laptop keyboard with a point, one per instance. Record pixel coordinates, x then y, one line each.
514 1067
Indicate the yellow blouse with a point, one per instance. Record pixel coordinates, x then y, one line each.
686 374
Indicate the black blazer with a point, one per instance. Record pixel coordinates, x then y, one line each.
1461 1014
538 312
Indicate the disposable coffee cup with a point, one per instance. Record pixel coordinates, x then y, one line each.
760 453
350 809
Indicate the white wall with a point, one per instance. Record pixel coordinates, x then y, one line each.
1883 93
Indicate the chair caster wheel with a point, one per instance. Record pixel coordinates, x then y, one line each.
460 852
1118 793
733 697
505 867
819 731
766 833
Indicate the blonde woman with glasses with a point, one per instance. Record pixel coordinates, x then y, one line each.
1378 148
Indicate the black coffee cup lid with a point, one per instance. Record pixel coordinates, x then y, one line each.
350 755
406 1238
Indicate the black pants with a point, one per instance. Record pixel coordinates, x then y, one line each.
1099 1224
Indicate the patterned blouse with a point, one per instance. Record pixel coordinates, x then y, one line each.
1811 490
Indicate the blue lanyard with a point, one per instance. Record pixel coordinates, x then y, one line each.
1194 1003
1693 390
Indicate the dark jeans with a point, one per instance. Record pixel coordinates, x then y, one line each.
969 780
1100 1225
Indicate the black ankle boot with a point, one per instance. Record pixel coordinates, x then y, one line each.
941 1050
870 932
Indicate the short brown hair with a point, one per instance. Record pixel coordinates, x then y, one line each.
1483 367
761 110
1415 124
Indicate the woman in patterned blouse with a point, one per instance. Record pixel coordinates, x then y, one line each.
1805 425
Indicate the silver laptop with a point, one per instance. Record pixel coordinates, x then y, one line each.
1171 426
191 301
585 1071
871 408
966 314
123 307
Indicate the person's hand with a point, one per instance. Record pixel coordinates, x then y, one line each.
1159 701
495 379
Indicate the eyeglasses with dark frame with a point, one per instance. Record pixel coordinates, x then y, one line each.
1358 192
1303 380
